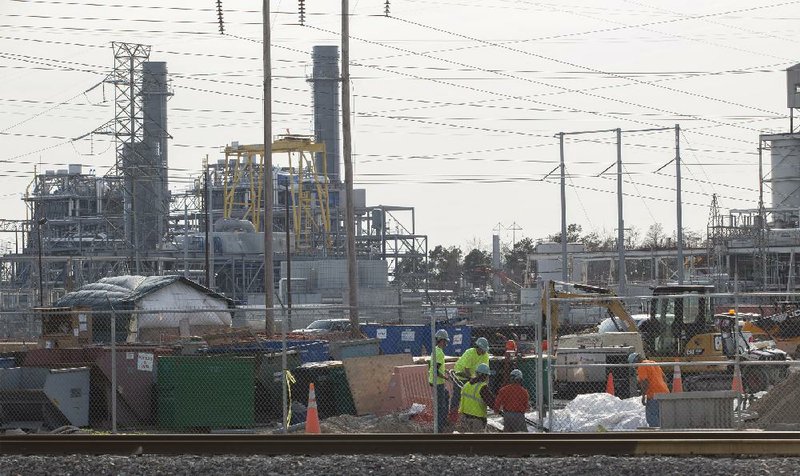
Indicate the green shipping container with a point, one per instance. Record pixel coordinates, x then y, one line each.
527 364
205 392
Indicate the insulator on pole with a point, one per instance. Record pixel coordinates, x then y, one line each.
386 9
301 11
219 17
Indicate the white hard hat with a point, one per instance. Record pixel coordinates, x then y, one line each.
442 334
516 374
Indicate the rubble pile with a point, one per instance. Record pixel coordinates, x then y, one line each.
392 423
779 406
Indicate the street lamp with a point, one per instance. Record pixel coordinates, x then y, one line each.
40 222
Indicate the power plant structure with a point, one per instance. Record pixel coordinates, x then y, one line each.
81 227
754 246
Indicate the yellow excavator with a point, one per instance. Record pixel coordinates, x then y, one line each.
681 327
783 327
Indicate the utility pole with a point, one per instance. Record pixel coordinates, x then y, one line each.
564 267
514 229
207 201
678 201
288 260
269 278
350 226
620 221
186 237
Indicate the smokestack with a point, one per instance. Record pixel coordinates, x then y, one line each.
325 81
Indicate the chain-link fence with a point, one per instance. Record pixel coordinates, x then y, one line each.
702 360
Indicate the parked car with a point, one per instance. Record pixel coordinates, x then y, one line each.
323 326
613 324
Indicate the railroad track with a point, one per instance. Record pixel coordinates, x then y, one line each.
717 443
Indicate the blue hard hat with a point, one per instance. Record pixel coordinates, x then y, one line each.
482 344
483 369
516 374
633 357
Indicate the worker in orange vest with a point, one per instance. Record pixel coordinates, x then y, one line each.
652 382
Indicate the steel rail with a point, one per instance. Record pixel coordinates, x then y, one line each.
708 443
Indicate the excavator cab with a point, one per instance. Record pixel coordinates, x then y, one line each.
677 314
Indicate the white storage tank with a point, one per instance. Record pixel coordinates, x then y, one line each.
785 169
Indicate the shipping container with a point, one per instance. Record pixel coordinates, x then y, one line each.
205 392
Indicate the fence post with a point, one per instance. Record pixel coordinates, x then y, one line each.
434 374
113 372
550 363
539 377
284 383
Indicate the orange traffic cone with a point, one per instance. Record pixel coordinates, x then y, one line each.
677 381
312 417
736 385
610 384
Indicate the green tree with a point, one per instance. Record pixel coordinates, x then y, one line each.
478 268
573 234
655 238
445 267
515 260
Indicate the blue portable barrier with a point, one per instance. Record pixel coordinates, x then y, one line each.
416 339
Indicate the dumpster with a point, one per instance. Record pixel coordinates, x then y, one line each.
346 349
401 338
415 339
330 385
201 392
309 350
268 398
31 397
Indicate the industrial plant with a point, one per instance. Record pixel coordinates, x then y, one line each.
82 227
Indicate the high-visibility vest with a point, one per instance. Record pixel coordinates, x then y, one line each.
471 401
436 368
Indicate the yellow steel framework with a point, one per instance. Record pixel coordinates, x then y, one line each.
309 196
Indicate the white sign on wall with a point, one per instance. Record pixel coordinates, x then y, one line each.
145 362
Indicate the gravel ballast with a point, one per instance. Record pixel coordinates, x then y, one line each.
405 465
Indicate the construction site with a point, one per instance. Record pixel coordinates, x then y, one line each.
268 296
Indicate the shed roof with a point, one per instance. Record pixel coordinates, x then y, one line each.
121 292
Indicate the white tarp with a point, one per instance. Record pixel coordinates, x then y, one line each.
590 413
182 297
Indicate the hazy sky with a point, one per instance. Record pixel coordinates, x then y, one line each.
455 102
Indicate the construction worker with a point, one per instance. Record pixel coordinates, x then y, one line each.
465 368
436 375
513 401
652 382
475 399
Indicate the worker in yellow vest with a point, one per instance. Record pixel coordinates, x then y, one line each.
476 397
436 376
465 369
